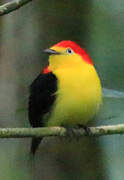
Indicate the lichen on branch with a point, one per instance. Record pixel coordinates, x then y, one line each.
12 6
60 131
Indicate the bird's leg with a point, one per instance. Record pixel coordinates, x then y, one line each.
86 128
70 133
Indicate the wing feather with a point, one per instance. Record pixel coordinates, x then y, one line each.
42 97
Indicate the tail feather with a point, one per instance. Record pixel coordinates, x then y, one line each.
34 145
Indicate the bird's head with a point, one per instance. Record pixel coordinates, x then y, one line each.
67 54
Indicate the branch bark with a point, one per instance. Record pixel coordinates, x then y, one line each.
12 6
59 131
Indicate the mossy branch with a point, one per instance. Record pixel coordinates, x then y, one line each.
59 131
12 6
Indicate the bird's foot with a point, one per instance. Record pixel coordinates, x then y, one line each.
86 128
71 133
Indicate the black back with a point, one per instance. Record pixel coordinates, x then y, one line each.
42 97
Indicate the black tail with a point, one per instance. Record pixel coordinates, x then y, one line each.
34 145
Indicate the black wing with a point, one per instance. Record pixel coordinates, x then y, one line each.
42 97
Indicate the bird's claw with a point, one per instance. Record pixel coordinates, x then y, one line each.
86 128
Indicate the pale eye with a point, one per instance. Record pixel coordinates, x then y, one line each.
69 51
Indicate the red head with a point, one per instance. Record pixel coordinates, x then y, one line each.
71 47
76 48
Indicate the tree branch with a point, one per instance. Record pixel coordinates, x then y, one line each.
12 6
59 131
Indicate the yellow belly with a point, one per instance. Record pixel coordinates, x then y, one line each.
78 96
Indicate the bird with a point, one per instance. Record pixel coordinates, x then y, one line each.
67 93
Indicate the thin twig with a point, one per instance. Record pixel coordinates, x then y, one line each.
12 6
59 131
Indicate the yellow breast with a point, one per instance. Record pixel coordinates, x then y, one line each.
78 96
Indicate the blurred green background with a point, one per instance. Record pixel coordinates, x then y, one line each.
98 26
